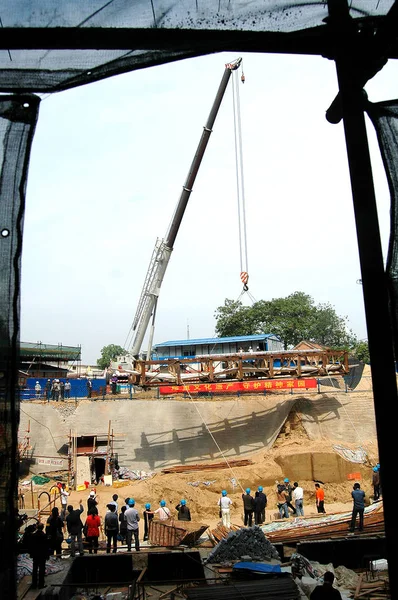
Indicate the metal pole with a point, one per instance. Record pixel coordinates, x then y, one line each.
374 279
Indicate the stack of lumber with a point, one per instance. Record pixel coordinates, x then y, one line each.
244 462
331 526
173 533
372 590
220 532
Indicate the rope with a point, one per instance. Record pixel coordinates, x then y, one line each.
252 298
240 188
213 438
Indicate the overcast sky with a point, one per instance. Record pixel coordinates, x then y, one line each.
107 168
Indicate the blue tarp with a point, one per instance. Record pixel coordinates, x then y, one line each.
255 567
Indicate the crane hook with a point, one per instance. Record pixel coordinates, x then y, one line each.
244 276
242 77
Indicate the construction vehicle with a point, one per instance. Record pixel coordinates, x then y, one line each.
147 304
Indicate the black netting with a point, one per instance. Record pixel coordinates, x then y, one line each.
384 116
18 116
49 45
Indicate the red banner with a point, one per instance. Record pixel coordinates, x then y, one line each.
240 386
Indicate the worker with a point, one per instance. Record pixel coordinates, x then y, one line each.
48 389
40 552
114 502
298 499
225 512
326 591
92 501
37 390
281 498
132 518
248 507
319 499
111 523
94 526
376 483
64 500
75 526
163 512
148 516
54 532
260 502
358 508
289 491
122 525
184 514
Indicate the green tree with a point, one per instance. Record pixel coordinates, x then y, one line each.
361 351
329 329
293 319
109 353
232 319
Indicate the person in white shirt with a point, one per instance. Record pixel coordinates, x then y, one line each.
114 502
225 503
163 512
298 497
37 390
64 501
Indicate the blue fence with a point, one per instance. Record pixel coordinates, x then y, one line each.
78 387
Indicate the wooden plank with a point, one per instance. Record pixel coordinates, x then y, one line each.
23 586
369 592
358 588
165 594
225 569
141 575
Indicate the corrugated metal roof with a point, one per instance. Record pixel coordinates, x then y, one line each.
220 340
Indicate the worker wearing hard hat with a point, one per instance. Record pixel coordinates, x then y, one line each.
225 503
248 507
37 390
148 516
184 514
260 502
163 512
289 491
132 518
376 483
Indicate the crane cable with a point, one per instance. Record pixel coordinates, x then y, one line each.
240 188
186 390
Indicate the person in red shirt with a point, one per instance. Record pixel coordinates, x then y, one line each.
320 498
93 523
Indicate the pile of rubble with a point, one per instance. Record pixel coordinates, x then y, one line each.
249 543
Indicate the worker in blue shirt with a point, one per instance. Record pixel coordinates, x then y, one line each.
358 508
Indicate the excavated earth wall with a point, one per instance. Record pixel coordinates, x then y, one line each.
152 434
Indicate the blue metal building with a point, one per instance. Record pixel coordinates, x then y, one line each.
221 345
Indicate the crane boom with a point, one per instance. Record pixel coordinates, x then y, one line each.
164 247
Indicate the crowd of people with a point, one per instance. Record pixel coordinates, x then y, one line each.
122 525
290 502
54 390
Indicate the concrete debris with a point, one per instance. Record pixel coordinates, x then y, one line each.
133 475
197 483
249 542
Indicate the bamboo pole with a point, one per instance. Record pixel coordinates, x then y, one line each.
107 449
75 461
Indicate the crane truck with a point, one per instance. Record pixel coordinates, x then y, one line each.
147 305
